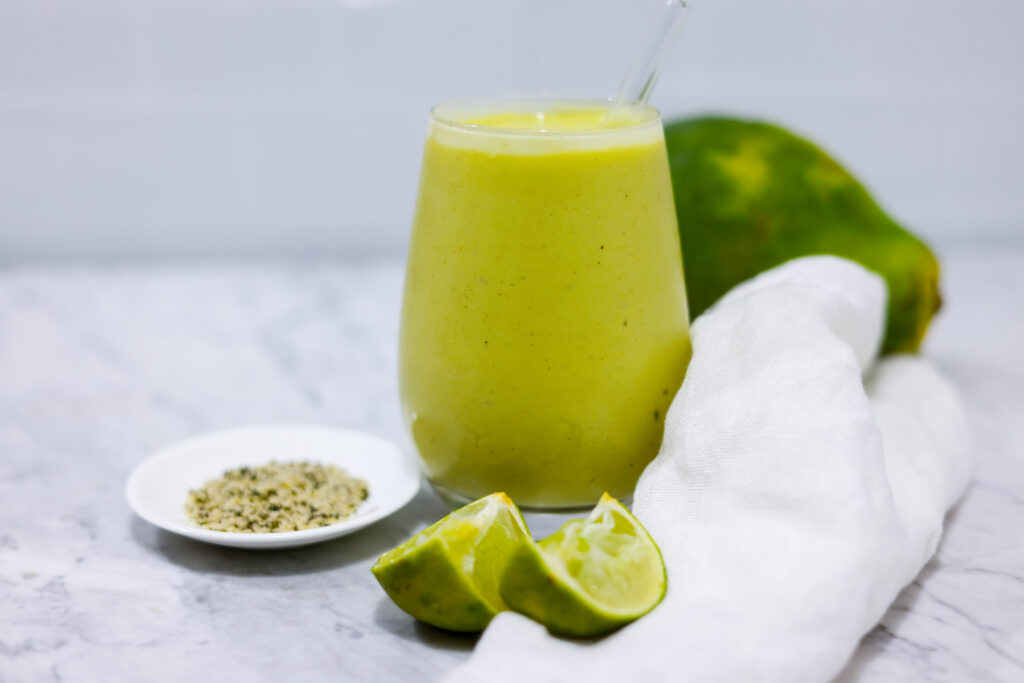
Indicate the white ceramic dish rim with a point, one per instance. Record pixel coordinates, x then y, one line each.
407 477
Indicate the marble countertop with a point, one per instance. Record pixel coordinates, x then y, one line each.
99 366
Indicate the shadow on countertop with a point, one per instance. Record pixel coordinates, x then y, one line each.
393 620
357 547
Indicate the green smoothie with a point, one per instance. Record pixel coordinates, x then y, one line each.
544 323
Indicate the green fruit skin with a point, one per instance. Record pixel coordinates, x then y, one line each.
750 196
434 590
529 587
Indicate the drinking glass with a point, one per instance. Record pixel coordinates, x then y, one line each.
544 322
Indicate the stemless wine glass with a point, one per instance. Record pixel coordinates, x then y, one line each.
544 323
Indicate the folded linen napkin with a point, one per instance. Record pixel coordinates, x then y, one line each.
799 487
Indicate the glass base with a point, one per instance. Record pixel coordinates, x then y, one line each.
456 500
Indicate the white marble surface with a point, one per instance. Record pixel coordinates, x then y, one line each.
100 366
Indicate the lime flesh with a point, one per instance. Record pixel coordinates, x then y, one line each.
590 577
447 575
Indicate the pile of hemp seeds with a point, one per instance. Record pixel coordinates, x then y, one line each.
290 496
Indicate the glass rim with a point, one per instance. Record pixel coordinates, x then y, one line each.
438 115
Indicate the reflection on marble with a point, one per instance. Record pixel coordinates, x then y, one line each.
100 366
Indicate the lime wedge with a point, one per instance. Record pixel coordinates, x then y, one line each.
588 578
447 575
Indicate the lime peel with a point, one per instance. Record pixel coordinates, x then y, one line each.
447 575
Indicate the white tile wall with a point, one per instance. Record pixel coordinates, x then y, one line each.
224 127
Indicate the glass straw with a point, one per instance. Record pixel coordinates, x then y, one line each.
640 80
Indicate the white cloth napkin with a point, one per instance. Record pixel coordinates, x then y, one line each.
792 498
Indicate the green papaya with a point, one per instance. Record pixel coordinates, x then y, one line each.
751 195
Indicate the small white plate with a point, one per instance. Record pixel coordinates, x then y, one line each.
158 487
